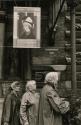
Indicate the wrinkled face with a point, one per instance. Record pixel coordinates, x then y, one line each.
27 27
17 88
32 87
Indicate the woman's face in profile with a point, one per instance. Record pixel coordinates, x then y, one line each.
56 84
27 27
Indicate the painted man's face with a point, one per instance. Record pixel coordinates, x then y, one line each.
27 26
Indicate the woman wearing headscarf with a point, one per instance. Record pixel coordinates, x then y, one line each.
29 104
11 107
51 106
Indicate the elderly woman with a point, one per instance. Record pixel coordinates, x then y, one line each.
29 104
11 106
51 106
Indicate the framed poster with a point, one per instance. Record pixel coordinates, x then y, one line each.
27 27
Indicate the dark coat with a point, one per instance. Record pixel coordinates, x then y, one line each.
11 108
23 35
49 113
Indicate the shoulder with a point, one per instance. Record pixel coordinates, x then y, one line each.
25 98
52 93
48 88
9 96
37 95
26 95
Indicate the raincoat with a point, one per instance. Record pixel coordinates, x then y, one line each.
11 110
49 107
29 108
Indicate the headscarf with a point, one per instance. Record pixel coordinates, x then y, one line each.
14 84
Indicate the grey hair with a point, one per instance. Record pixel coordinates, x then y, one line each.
30 83
51 77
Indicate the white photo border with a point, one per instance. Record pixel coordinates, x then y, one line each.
27 43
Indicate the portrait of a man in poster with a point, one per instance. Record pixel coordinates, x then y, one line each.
26 27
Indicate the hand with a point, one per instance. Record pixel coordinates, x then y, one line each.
6 123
